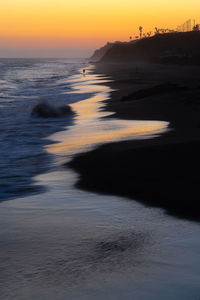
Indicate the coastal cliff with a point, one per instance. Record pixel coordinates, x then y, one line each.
178 47
99 53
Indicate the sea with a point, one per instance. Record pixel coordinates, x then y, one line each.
60 242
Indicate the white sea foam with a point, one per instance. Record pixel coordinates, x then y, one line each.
76 245
24 83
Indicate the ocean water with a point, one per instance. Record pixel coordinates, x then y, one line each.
23 84
58 242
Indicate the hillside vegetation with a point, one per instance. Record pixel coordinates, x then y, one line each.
182 47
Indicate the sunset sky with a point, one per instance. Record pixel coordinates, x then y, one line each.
76 27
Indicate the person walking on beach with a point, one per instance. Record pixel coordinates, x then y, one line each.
83 71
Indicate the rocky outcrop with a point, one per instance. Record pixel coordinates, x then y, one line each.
46 110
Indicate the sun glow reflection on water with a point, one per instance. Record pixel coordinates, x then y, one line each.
71 244
91 127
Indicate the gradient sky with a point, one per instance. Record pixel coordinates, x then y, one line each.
76 27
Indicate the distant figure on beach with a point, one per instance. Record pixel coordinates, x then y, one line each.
83 71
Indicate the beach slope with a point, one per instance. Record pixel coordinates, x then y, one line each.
161 171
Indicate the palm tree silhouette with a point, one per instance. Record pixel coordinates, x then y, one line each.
140 29
149 33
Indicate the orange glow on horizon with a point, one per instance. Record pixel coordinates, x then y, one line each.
85 23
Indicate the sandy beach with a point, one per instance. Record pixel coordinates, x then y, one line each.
99 150
162 171
66 243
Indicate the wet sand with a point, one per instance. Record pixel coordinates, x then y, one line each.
67 243
163 171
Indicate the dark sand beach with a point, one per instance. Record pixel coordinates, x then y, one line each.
162 171
67 243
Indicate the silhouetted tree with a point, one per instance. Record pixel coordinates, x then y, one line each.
196 27
140 29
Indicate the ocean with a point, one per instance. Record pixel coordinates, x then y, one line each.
59 242
23 84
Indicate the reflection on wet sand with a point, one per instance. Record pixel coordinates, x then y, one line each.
91 127
72 244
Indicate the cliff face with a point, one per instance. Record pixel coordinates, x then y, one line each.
99 53
181 47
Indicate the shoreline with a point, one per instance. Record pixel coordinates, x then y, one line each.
72 244
160 172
